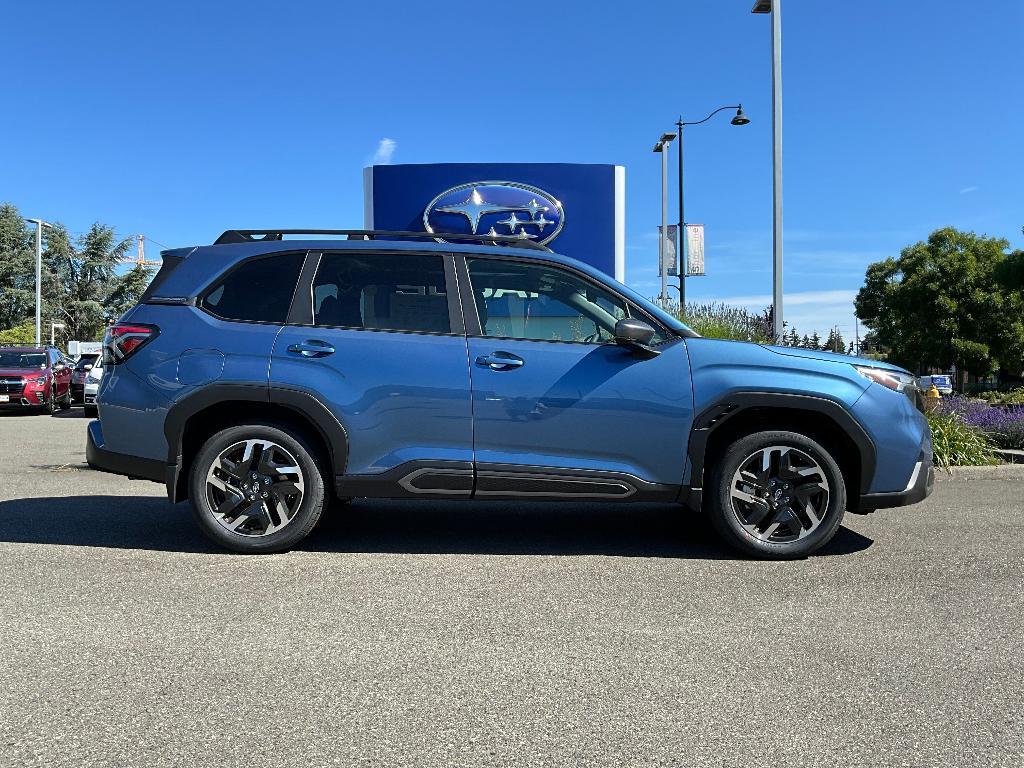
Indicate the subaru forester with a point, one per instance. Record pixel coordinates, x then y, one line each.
261 376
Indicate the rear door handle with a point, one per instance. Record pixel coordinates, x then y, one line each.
500 361
312 348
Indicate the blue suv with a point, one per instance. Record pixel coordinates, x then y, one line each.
261 376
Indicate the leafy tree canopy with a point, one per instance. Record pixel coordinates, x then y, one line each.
946 301
80 285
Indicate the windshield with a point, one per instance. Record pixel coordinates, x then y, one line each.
22 359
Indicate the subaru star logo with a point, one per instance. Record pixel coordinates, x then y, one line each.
504 208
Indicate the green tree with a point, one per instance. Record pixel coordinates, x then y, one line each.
815 341
940 303
127 290
17 268
86 277
1010 335
792 339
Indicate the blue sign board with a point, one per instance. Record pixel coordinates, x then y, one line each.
574 209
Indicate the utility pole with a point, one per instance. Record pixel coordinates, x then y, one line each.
39 275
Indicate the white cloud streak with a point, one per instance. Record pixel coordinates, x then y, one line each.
385 151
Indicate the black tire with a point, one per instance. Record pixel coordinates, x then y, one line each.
304 517
65 404
91 412
798 534
50 406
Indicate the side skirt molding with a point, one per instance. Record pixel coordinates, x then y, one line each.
456 479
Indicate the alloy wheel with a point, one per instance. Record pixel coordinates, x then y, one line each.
779 494
255 487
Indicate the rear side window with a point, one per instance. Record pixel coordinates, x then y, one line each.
260 290
391 292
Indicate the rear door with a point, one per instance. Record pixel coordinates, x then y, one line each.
559 409
379 339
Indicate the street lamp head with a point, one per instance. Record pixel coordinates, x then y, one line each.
667 137
762 6
740 118
659 147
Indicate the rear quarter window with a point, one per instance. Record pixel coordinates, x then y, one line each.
259 290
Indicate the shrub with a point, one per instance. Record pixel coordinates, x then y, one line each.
956 444
720 321
21 334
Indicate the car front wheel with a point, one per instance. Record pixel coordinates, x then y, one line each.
256 489
777 495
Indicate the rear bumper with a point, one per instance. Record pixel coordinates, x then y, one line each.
922 481
103 460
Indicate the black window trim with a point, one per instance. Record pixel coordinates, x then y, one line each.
301 312
216 282
475 330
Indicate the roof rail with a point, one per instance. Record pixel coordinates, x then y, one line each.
261 235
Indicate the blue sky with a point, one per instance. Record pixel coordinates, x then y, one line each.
181 119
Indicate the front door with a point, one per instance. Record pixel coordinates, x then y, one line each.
384 350
559 408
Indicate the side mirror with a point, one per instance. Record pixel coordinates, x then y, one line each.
58 366
636 334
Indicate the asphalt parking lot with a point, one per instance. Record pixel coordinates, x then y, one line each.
435 634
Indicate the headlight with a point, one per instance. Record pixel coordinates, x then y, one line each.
35 379
894 380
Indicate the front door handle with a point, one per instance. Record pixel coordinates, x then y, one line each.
500 361
312 348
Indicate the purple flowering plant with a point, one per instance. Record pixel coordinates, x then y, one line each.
1004 426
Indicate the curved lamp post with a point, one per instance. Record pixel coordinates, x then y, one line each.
738 119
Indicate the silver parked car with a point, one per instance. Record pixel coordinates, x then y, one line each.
91 383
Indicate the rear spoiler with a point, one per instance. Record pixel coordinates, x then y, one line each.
171 259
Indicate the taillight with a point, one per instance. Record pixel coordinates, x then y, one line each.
124 339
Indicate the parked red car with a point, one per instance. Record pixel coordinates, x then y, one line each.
35 377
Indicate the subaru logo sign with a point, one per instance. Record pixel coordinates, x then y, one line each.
497 208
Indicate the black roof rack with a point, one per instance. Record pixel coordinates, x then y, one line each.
261 235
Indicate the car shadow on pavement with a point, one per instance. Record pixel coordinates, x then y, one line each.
412 527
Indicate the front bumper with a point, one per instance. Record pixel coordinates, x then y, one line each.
922 481
27 398
105 460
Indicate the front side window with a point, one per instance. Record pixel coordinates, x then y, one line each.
259 290
380 291
536 301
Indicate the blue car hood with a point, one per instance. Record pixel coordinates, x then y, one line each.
832 357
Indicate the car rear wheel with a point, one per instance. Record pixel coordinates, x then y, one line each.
50 405
91 412
777 495
256 489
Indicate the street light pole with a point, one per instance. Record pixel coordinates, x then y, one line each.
774 8
681 255
662 148
664 225
39 275
682 258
